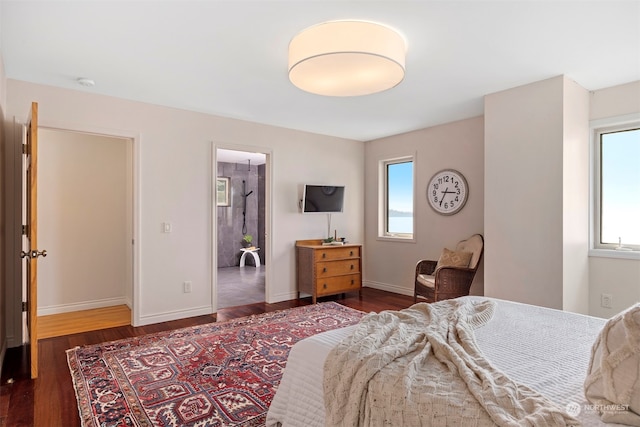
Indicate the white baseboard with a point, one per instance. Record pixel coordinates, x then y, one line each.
173 315
285 296
85 305
388 287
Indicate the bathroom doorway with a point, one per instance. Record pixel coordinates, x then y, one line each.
241 227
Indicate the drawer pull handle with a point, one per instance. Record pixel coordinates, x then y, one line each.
324 255
351 253
324 286
352 266
352 282
324 270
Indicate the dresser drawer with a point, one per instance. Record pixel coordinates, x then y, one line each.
337 252
335 268
338 284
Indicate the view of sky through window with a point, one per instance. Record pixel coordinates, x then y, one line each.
400 197
620 187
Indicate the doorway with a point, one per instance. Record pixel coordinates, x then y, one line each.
241 227
85 204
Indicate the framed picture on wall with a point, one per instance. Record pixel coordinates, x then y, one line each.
223 191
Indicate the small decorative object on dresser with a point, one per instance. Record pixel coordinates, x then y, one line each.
328 270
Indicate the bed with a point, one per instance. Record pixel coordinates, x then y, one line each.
547 350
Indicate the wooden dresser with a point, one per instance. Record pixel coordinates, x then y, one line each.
328 270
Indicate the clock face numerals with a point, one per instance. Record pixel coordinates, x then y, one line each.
447 192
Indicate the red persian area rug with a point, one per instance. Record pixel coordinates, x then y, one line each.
218 374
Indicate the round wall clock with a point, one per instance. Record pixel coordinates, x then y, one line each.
447 192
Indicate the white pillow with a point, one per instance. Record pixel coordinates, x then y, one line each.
613 378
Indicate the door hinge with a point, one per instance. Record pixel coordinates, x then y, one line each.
25 149
25 230
24 306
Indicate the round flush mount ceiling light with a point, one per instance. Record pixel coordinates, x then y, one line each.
83 81
347 58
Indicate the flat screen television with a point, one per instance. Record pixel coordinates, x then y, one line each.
322 198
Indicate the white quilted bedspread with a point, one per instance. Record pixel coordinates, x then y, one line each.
547 350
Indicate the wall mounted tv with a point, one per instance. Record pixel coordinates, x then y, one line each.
322 198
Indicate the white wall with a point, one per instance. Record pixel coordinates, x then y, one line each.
174 152
615 101
536 194
523 193
541 230
575 198
390 265
11 220
618 277
84 221
173 155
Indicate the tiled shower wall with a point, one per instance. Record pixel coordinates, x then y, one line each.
230 217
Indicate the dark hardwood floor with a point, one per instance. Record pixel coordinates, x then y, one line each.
50 401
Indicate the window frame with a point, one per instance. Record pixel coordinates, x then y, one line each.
597 128
383 199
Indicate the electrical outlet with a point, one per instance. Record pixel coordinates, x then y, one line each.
186 287
166 227
606 300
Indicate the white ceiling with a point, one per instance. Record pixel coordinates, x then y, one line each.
229 58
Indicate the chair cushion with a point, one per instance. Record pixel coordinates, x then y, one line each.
427 280
474 245
613 378
449 258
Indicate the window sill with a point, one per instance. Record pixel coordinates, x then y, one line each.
391 238
611 253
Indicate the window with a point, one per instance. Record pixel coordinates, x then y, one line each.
617 187
397 198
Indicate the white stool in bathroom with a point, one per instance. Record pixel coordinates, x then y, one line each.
253 252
